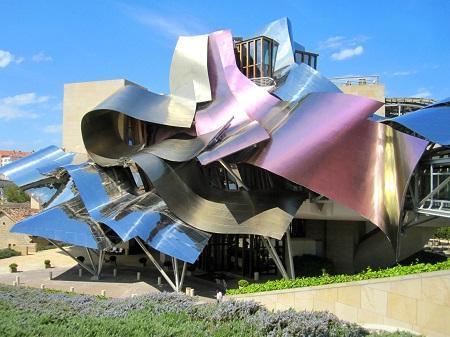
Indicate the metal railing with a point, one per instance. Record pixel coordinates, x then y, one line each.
356 80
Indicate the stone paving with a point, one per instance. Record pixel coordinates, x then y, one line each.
65 275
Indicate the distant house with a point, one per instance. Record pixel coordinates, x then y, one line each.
8 156
9 215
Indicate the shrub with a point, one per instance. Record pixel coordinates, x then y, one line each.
15 194
443 233
312 265
5 253
52 313
13 267
47 263
329 279
243 283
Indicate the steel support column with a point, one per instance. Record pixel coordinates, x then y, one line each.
88 251
155 263
81 264
183 273
273 253
290 257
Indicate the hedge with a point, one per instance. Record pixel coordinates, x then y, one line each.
5 253
330 279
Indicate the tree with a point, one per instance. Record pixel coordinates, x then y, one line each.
15 194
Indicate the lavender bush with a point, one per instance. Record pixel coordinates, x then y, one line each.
63 309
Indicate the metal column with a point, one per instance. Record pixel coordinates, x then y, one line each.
156 264
273 253
290 257
73 257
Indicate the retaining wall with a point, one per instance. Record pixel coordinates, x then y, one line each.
419 302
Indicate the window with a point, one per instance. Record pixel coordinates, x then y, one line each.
256 56
307 58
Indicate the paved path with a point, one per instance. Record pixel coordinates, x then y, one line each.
65 274
36 261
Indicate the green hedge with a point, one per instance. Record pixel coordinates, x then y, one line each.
443 233
329 279
5 253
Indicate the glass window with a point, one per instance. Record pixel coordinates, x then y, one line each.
306 59
251 53
244 54
274 56
258 51
258 70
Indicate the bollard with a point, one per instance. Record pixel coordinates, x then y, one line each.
138 276
133 295
18 280
80 273
159 281
192 292
256 276
50 275
103 292
115 272
42 286
188 291
72 289
14 283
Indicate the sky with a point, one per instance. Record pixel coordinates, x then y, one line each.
46 43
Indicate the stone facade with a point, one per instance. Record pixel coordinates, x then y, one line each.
20 242
371 90
79 98
419 303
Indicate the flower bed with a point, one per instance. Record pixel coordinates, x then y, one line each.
33 312
330 279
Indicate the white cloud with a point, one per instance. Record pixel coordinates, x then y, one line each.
404 73
347 53
333 42
422 93
41 57
6 58
20 106
53 128
171 24
24 99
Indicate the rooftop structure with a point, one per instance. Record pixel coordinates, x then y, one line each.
8 156
231 172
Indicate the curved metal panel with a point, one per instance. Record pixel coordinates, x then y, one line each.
185 149
65 223
234 95
189 70
280 31
29 170
145 105
361 164
239 138
231 212
146 216
301 80
430 122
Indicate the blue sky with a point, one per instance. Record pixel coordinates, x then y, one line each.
44 44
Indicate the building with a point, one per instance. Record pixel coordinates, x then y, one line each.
9 216
8 156
253 158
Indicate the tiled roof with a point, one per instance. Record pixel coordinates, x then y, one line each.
18 213
13 153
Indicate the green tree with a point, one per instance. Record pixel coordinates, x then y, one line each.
15 194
